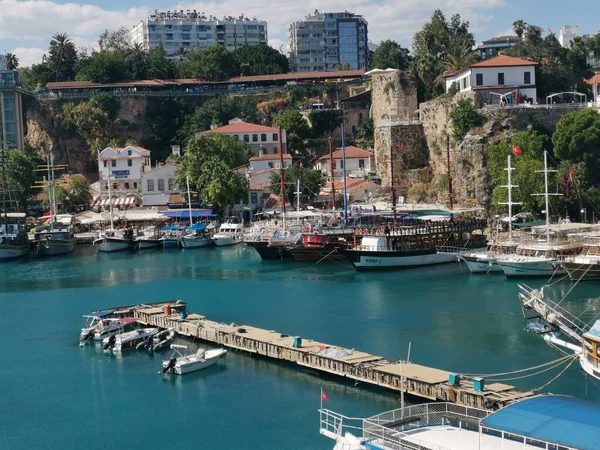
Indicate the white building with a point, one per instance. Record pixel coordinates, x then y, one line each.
323 40
2 63
125 166
359 163
178 29
269 161
262 140
567 34
159 184
501 74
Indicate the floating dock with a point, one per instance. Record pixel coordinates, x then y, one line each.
420 381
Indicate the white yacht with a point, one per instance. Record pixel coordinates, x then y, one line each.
180 363
545 421
231 232
129 340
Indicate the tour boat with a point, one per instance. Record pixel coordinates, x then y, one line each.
14 241
322 245
544 421
181 363
147 238
115 240
413 245
195 236
130 339
231 232
483 262
57 239
586 265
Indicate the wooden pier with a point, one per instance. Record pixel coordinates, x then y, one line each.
417 380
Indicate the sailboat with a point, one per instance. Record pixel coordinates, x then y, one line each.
538 257
113 240
14 242
195 235
57 238
484 262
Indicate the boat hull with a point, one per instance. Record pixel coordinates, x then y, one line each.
186 366
270 253
170 243
143 244
382 260
516 269
13 251
194 242
54 247
316 254
108 245
224 240
579 272
481 265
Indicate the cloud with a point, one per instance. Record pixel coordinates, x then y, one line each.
28 55
28 25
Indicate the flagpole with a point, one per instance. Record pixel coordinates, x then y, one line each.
321 397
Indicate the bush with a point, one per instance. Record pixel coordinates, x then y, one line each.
465 116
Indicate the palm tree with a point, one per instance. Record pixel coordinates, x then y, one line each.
11 61
180 57
137 58
60 41
459 56
519 28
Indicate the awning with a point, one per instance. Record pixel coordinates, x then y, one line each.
185 213
119 201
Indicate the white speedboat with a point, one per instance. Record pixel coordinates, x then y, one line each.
93 322
115 240
147 238
162 339
195 236
180 363
231 232
129 340
112 327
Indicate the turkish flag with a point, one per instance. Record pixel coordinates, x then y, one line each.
324 396
516 150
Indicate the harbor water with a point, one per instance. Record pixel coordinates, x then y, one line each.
56 395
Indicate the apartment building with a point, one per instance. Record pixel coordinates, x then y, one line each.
329 41
189 29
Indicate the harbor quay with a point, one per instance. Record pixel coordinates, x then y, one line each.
426 383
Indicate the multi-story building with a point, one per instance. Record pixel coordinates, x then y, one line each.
179 29
262 140
329 41
359 163
125 167
567 34
491 47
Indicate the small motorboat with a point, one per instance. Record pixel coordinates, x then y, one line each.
132 339
230 233
195 236
160 340
112 327
147 238
181 363
115 240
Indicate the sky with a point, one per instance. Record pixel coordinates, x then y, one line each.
26 26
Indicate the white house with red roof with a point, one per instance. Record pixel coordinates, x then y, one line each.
125 166
261 139
359 163
594 82
502 73
266 161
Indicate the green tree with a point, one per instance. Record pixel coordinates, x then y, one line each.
465 116
533 145
137 62
159 66
22 176
86 120
208 162
365 134
62 57
73 194
107 103
459 56
593 45
166 119
116 41
292 121
211 64
11 61
103 67
311 182
260 59
324 122
392 55
577 139
519 27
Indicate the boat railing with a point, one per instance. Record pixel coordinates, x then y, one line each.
423 228
333 425
452 250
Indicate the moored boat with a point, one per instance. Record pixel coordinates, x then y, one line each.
484 262
195 236
171 236
231 232
115 240
586 265
147 238
58 239
14 242
130 339
181 363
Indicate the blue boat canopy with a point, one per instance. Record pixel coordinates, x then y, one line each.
553 418
101 314
197 227
172 227
184 213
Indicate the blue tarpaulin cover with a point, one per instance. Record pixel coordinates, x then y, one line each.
197 226
101 314
183 213
553 418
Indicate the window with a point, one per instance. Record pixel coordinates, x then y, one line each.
105 164
334 166
246 138
150 185
277 166
270 165
129 152
361 163
161 185
255 138
527 77
274 150
115 186
275 137
135 184
113 163
253 198
501 79
479 79
129 162
171 184
126 185
263 137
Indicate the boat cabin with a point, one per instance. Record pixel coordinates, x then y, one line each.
591 348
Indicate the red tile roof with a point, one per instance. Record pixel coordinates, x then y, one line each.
351 152
352 184
270 157
238 128
594 80
504 61
300 76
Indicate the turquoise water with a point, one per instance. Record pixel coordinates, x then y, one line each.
55 395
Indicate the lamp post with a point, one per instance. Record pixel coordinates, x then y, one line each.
584 214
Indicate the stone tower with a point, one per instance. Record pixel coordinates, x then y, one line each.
400 145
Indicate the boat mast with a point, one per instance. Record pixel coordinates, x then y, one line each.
50 171
546 194
4 187
510 203
110 206
281 177
332 175
187 181
298 195
344 171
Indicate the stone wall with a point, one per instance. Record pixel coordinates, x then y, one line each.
394 93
